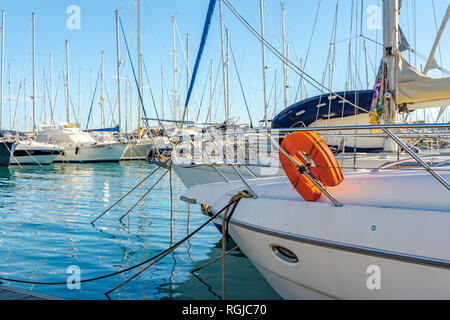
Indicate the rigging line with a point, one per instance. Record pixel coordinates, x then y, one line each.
203 95
206 28
21 81
122 67
154 104
49 101
303 67
421 56
242 88
213 95
93 98
134 75
110 107
185 60
436 27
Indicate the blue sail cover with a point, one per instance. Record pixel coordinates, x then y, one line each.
115 129
5 133
209 15
305 112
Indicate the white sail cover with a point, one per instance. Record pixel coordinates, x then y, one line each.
418 90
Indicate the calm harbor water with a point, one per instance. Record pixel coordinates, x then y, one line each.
45 216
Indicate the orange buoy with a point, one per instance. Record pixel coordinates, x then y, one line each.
326 168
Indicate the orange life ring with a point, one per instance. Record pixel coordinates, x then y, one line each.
327 170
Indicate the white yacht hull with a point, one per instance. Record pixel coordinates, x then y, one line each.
35 154
93 153
192 175
137 151
390 239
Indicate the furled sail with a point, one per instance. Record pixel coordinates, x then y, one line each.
418 91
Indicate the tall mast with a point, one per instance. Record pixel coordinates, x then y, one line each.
139 66
118 74
34 71
391 52
227 115
175 107
210 93
187 70
285 70
67 83
228 70
126 105
162 92
102 99
263 60
79 94
25 102
51 87
1 68
10 97
391 38
44 100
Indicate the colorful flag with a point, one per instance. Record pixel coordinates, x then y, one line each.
376 108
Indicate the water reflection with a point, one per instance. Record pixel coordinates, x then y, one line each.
46 228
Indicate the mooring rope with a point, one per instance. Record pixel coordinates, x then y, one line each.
155 258
226 218
233 201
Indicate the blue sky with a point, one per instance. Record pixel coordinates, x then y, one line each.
97 33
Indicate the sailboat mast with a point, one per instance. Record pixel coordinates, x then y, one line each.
10 96
263 51
224 71
118 74
102 99
227 64
34 71
162 92
139 67
187 71
51 88
391 52
174 61
285 76
67 83
175 107
210 93
25 103
1 68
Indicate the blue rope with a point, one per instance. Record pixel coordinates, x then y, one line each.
209 15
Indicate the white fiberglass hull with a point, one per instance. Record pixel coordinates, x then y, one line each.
192 175
35 154
93 153
137 151
390 239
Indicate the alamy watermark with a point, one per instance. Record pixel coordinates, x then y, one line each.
73 280
374 17
374 280
73 22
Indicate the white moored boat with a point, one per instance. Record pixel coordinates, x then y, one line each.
79 146
393 225
30 152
